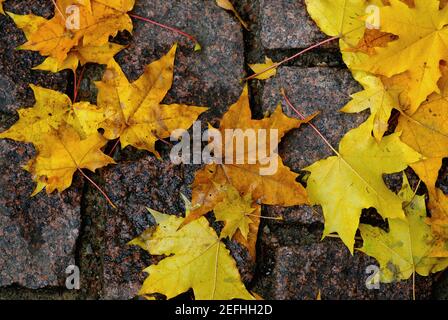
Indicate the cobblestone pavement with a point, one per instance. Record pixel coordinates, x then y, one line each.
41 236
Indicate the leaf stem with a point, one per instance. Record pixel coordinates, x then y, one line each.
278 64
165 27
114 147
99 189
310 124
78 83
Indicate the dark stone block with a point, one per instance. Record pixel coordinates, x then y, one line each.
133 187
286 24
301 272
37 235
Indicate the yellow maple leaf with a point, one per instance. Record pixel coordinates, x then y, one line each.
339 18
420 47
426 131
260 67
195 259
75 31
438 204
235 211
62 154
134 112
279 188
375 97
405 249
1 7
51 110
353 180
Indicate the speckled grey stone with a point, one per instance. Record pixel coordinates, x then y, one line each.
300 272
37 235
286 24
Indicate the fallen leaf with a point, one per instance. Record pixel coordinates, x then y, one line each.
51 110
426 131
405 249
81 55
422 34
195 258
375 97
227 5
260 67
339 18
134 112
62 155
280 188
438 205
62 40
353 180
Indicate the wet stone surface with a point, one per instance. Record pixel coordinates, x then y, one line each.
37 235
133 187
285 24
301 272
295 264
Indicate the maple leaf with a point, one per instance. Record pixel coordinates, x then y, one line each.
260 67
353 180
241 217
1 7
51 110
62 155
339 18
66 45
280 188
234 210
426 131
420 47
133 111
438 204
376 97
404 250
195 259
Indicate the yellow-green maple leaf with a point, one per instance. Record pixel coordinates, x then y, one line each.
418 51
195 259
426 131
339 18
375 97
405 249
353 180
134 112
